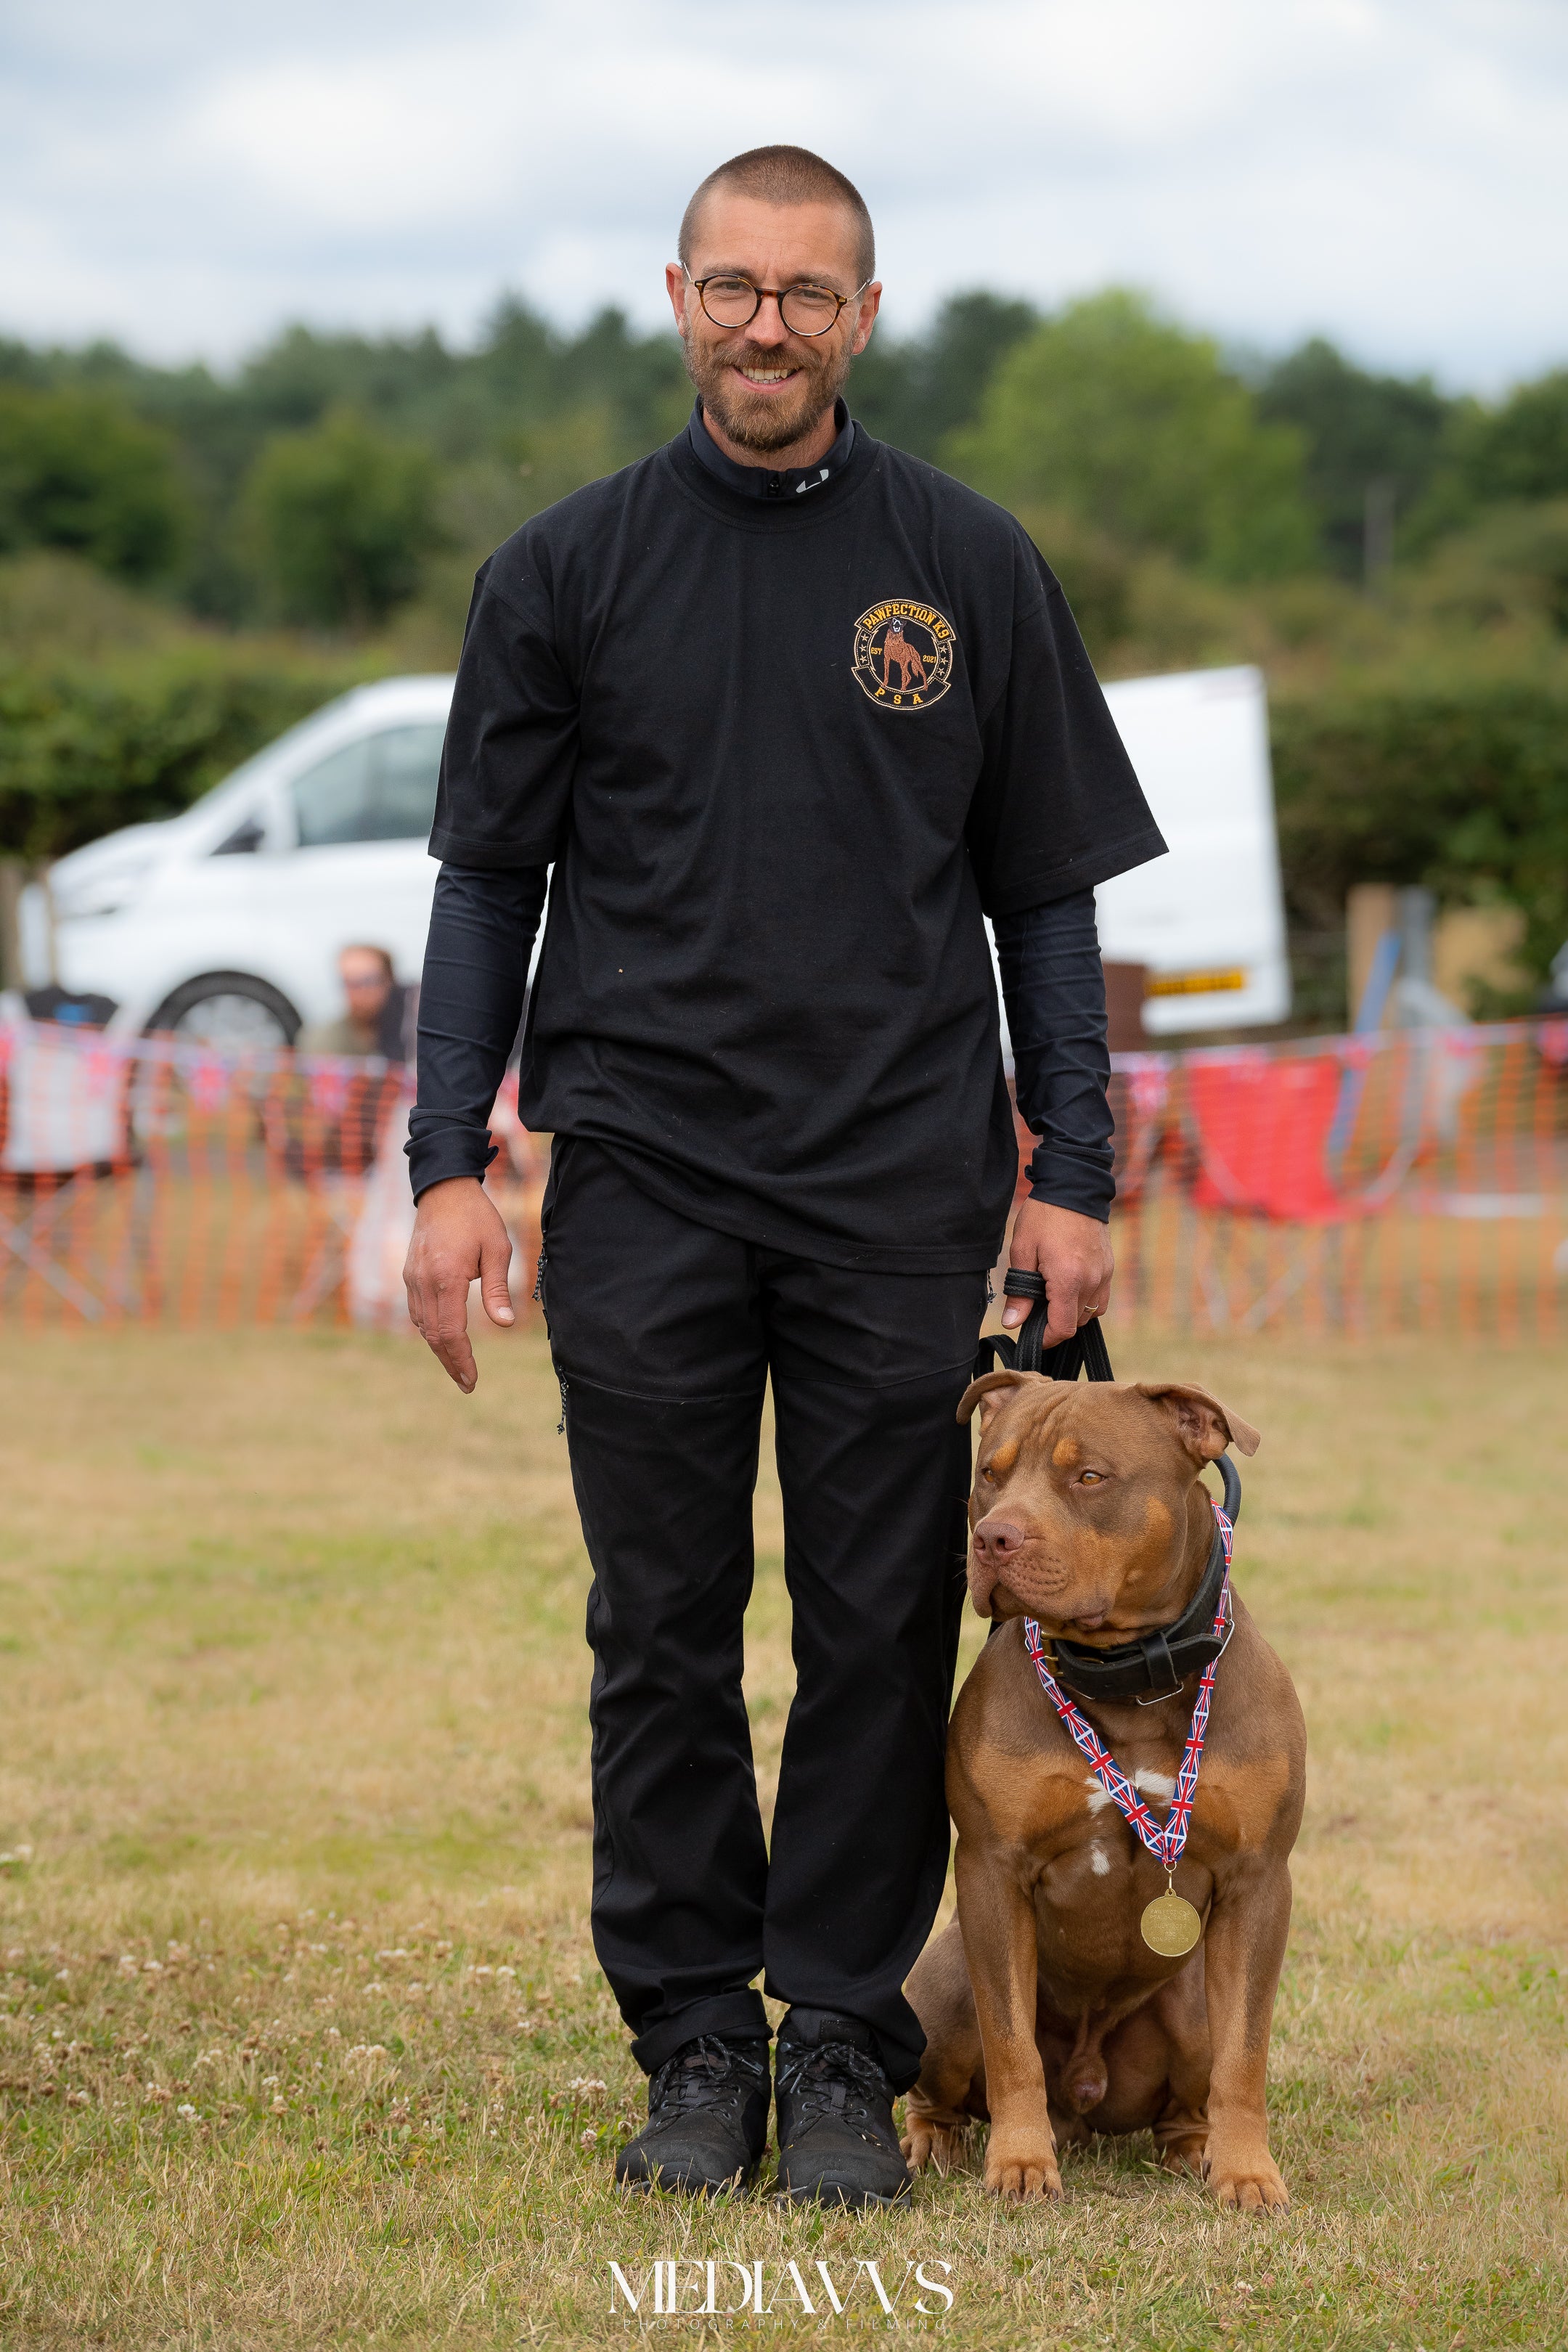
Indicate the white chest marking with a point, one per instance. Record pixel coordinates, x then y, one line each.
1156 1784
1099 1861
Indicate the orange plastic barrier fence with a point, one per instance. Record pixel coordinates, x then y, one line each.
1411 1180
150 1180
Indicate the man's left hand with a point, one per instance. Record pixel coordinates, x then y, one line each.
1072 1256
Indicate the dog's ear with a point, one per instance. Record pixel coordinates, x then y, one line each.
989 1393
1204 1426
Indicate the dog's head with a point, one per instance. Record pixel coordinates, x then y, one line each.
1082 1507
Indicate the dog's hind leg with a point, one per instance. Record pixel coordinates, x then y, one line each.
952 2086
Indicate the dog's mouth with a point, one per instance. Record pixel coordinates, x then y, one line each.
1094 1632
1037 1592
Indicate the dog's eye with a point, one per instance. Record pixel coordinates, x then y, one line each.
984 1471
1091 1478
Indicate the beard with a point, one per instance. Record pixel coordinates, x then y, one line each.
761 421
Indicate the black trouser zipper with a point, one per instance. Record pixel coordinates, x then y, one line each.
541 1301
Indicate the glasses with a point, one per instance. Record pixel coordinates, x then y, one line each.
806 309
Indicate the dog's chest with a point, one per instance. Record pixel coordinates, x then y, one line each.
1094 1878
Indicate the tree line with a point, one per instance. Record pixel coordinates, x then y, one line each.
333 479
189 560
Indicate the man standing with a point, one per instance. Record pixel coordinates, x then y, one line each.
785 710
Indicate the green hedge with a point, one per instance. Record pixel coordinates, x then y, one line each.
85 749
1464 788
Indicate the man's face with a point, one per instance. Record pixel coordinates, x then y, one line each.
365 985
762 386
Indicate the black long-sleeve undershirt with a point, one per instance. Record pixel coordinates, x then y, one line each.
1052 991
483 926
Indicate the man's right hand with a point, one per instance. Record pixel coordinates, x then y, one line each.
458 1233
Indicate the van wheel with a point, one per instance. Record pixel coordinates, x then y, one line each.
228 1010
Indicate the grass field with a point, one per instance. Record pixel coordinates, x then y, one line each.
301 2037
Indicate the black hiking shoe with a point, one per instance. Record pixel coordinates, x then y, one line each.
836 2139
707 2120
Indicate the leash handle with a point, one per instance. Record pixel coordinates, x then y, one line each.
1086 1351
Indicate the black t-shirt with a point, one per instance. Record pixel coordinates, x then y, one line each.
782 754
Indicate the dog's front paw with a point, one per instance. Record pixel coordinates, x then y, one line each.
1245 2179
927 2141
1020 2164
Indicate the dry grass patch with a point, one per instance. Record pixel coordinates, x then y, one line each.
301 2037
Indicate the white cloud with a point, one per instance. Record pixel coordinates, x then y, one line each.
1390 171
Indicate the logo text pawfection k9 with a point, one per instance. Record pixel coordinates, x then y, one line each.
801 2289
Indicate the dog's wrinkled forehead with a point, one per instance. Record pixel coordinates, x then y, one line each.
1021 1414
1023 1420
1027 1404
1052 1424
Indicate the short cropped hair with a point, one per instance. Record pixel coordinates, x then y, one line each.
364 947
787 176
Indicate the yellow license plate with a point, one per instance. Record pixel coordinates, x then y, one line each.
1193 984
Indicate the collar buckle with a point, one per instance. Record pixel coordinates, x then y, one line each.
1157 1659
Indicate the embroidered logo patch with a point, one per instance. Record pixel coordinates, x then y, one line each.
903 655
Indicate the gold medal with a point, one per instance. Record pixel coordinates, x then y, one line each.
1170 1925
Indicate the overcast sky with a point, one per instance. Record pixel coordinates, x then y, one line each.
187 175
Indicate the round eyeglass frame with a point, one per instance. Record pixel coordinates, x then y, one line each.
732 326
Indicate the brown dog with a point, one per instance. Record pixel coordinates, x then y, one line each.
1043 2006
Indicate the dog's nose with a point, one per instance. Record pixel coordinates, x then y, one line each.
998 1538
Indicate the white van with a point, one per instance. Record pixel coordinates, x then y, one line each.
225 923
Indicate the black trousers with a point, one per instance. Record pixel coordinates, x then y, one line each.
665 1334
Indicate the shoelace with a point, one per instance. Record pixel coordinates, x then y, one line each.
705 2073
835 2079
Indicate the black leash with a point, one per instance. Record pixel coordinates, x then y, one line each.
1155 1666
1085 1352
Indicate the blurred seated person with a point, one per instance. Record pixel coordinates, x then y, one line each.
379 1010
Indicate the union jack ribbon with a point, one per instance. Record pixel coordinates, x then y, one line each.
1164 1843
